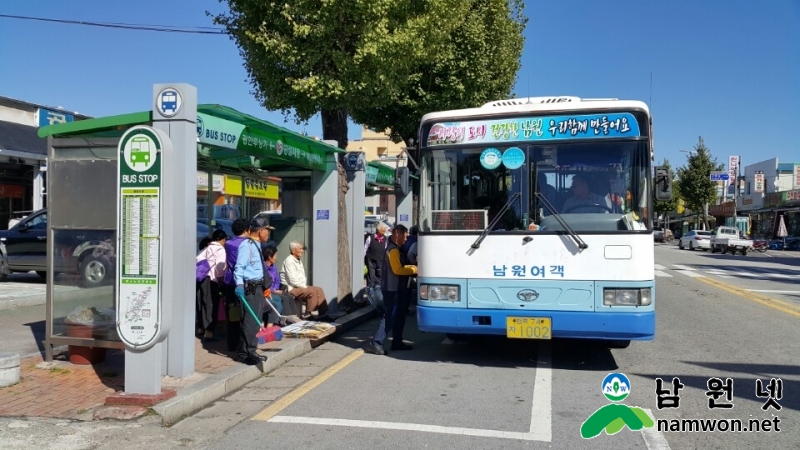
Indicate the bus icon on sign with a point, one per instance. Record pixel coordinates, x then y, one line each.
168 102
140 151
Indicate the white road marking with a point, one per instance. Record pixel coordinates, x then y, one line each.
660 267
682 267
660 273
541 415
406 427
771 291
692 274
653 438
541 406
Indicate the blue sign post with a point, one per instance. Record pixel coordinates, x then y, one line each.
720 176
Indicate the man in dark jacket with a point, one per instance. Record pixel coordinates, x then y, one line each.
391 271
374 250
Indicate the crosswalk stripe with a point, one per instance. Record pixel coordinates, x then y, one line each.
660 267
682 267
692 274
660 273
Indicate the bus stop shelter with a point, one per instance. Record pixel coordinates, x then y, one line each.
230 144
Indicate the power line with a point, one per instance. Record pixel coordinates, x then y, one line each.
125 26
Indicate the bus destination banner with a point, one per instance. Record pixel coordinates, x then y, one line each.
542 128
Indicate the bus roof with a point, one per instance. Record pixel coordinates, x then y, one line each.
538 104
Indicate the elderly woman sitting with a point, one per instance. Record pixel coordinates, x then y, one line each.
293 276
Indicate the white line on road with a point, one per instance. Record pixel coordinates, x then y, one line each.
406 427
660 273
541 408
682 267
692 274
771 291
541 414
660 267
653 438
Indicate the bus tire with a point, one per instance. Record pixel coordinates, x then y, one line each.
620 343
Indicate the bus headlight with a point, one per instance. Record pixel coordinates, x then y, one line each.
440 292
627 297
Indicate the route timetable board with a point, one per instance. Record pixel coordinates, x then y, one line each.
139 230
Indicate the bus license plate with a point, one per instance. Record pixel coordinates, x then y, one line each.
528 327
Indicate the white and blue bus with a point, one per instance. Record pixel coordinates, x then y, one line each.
535 220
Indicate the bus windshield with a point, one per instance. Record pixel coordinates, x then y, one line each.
593 186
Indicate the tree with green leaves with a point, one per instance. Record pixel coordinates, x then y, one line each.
477 63
666 207
335 58
694 179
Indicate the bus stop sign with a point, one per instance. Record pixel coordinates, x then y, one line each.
140 321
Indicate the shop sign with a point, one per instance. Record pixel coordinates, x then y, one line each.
759 183
12 191
733 169
792 196
45 117
747 200
541 128
379 174
797 175
202 182
725 209
261 189
233 185
139 219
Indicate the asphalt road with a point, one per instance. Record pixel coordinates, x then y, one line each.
495 393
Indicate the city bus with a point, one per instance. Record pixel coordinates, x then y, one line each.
535 220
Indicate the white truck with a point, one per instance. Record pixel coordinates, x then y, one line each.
724 239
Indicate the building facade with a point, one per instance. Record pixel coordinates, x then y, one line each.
378 146
23 156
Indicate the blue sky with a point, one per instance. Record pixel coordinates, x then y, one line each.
727 71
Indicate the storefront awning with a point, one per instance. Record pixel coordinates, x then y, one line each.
234 139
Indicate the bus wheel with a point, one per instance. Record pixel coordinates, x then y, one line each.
618 344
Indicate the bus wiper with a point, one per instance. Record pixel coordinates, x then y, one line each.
477 244
581 244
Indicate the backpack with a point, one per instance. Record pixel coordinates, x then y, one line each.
202 269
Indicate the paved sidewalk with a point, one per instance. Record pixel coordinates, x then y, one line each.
62 390
68 391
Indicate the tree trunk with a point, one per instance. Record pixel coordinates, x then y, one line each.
334 127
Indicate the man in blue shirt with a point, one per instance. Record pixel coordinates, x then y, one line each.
248 276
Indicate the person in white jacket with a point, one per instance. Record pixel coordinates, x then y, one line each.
209 290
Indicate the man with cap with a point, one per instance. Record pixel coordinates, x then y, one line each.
248 274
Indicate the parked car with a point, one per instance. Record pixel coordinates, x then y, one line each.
89 253
791 243
724 239
695 239
662 235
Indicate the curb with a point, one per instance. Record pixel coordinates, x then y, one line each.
353 319
195 397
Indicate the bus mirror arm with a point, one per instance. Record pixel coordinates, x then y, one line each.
477 244
580 242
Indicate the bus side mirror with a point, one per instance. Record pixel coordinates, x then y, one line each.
401 186
663 184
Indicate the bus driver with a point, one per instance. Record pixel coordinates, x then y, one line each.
584 201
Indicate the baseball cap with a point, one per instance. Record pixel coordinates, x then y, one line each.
258 223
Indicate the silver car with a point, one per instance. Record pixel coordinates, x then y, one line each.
695 239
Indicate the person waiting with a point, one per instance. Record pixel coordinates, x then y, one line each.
293 276
209 289
284 303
